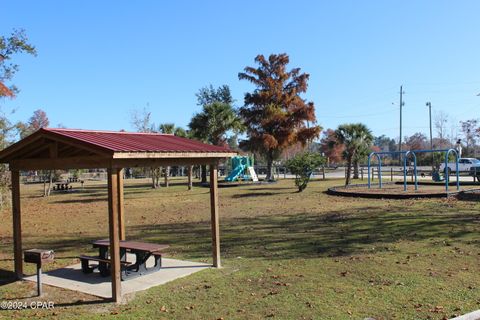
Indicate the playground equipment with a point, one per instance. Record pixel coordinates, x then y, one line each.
242 169
413 153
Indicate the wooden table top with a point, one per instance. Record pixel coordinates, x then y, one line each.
133 245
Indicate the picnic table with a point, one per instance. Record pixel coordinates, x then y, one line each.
62 185
142 251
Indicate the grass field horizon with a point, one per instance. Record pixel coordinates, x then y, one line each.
285 255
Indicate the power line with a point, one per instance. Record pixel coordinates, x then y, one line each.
362 115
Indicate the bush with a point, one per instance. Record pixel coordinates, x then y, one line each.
302 166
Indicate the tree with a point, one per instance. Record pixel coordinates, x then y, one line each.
361 155
16 43
330 147
417 141
11 45
470 133
209 95
38 120
170 128
217 118
5 91
440 121
167 128
302 166
274 113
232 142
142 122
385 143
355 137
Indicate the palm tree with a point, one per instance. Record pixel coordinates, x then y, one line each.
212 124
356 137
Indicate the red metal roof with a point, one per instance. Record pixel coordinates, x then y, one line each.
118 141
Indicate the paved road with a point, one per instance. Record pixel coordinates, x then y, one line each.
339 173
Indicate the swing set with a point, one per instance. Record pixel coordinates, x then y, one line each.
406 154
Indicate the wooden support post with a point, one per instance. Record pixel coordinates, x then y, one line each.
17 224
114 234
214 216
121 206
391 174
323 173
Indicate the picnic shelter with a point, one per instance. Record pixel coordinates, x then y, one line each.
54 149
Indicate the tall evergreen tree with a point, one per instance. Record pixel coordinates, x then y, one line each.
275 115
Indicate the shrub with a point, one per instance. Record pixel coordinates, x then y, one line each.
302 166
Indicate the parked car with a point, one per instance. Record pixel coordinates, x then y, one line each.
470 165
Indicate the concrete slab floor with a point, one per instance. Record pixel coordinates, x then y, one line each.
72 277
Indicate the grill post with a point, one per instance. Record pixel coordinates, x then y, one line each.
38 257
39 279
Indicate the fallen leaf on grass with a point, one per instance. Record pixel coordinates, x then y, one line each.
284 284
436 309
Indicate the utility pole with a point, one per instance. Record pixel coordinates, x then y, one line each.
429 105
401 106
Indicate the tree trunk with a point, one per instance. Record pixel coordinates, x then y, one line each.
155 172
196 171
355 169
270 176
50 178
152 173
204 174
349 171
167 173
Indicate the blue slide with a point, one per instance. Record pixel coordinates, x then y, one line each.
235 173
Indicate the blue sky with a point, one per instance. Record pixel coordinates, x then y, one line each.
99 60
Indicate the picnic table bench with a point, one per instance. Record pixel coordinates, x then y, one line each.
142 251
62 185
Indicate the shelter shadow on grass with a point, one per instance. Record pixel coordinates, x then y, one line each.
252 195
344 232
7 276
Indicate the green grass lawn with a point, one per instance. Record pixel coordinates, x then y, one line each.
286 255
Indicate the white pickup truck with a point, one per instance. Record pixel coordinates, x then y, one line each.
464 165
